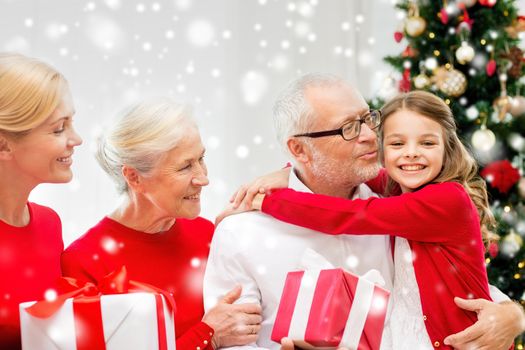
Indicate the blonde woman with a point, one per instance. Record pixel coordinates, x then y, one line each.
37 141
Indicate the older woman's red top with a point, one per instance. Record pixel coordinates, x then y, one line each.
173 260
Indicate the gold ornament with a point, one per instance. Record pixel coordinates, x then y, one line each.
450 81
421 81
503 103
517 107
414 25
516 28
483 139
465 53
502 106
511 243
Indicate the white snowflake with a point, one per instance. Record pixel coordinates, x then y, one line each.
195 262
242 151
200 33
213 142
113 4
253 87
109 245
50 295
104 32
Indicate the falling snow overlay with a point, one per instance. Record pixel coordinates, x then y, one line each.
228 58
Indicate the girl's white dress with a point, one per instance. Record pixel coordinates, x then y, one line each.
405 326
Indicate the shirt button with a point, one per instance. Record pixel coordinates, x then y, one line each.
211 334
436 344
205 342
424 317
198 348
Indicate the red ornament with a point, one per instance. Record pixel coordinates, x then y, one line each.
409 52
398 36
491 68
488 3
493 249
443 16
465 18
501 175
404 83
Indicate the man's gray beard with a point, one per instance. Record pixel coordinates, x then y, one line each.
341 175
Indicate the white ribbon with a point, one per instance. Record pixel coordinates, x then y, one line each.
355 324
303 304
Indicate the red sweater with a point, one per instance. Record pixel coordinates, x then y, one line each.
441 225
29 265
173 260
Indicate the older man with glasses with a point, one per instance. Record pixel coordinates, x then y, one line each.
327 128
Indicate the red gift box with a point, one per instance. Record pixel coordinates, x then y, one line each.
331 308
116 314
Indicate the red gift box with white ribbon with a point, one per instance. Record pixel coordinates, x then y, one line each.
331 308
117 314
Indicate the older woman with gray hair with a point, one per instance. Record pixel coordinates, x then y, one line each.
155 155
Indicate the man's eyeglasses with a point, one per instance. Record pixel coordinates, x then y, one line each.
350 130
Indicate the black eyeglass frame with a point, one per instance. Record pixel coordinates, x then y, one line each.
339 131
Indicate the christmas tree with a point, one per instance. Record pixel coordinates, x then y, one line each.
468 53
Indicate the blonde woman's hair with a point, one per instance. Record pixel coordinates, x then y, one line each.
458 164
30 90
141 135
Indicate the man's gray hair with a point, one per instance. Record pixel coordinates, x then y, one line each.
292 112
141 136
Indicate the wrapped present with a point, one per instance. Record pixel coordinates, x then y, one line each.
329 308
116 314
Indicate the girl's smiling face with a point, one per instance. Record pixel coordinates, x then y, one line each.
413 149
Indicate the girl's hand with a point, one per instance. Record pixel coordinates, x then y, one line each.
245 206
245 194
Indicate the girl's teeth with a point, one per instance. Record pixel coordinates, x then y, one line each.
412 167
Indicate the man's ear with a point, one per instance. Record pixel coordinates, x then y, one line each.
133 178
299 150
6 149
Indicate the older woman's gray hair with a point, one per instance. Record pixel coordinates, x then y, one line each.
141 136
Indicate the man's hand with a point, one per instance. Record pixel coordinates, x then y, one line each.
496 328
287 344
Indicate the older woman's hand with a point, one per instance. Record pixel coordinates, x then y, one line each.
234 324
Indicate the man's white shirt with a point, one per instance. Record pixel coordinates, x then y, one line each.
257 251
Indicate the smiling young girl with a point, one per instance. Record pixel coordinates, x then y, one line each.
440 221
36 144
